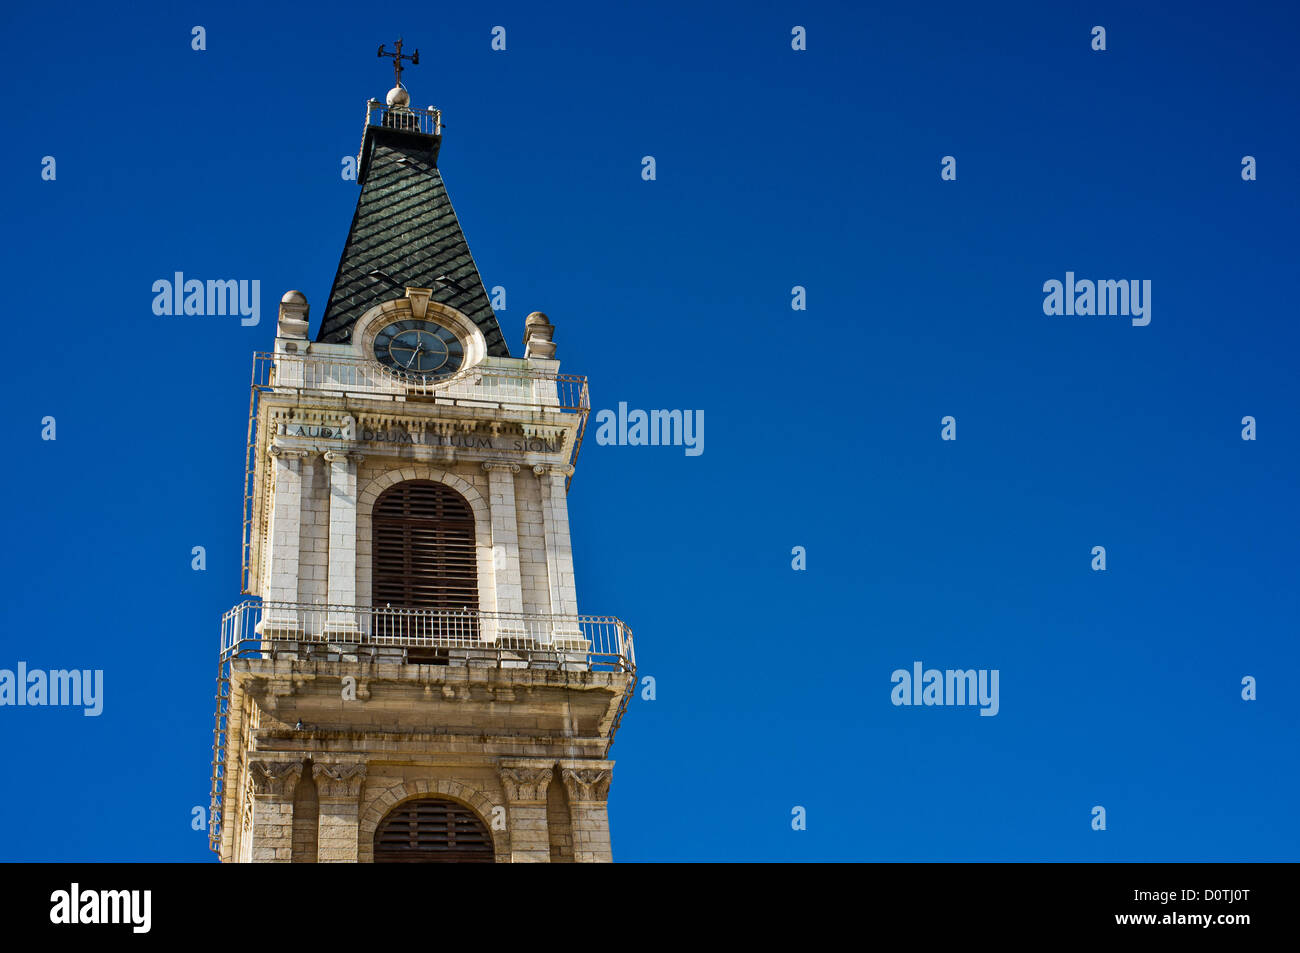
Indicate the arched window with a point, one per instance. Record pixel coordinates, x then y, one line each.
432 831
424 558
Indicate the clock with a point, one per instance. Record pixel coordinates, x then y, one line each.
419 347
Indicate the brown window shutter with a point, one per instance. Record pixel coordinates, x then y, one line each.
432 831
423 548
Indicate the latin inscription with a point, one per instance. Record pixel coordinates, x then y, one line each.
467 441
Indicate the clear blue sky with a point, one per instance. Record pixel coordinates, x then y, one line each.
775 168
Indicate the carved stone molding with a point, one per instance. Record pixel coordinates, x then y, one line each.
341 782
587 784
490 465
419 298
525 783
274 778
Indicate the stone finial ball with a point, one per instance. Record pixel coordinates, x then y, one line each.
293 297
536 318
397 96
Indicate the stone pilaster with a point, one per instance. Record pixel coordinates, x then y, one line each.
559 550
338 787
285 525
273 784
342 574
313 548
505 540
587 784
525 784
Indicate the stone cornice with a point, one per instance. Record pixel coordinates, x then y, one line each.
329 424
358 414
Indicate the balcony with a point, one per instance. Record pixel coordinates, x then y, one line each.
484 385
408 118
277 630
361 635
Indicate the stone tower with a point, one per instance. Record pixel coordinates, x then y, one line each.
413 681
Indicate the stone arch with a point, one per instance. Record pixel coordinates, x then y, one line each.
401 792
487 588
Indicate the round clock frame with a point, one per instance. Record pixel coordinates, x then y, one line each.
419 347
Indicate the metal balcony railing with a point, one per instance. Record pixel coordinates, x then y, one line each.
426 121
504 388
279 630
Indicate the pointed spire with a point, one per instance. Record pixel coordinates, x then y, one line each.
405 233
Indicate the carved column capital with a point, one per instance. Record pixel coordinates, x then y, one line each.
275 779
525 782
540 470
587 784
490 465
286 454
338 782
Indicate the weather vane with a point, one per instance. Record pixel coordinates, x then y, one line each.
398 56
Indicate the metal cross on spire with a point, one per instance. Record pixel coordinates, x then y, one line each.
398 56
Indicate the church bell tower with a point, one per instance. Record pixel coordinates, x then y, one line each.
410 679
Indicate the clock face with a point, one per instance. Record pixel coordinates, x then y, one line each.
419 347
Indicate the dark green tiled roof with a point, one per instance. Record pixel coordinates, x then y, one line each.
405 227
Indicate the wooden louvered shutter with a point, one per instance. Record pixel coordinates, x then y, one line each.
432 831
423 548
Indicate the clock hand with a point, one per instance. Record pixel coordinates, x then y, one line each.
414 354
